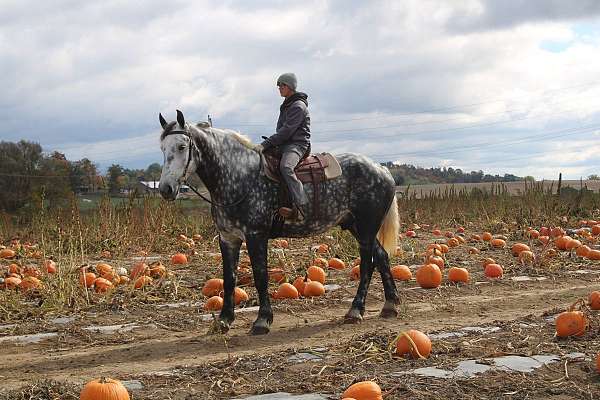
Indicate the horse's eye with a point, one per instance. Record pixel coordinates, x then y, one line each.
181 147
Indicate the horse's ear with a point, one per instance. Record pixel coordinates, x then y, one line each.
163 123
180 119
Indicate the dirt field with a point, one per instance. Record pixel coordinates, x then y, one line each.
163 350
513 187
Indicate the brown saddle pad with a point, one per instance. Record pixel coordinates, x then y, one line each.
312 169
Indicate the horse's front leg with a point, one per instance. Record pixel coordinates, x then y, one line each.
230 252
257 250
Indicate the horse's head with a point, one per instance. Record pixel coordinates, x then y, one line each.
179 150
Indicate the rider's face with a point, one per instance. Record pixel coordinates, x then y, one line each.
284 90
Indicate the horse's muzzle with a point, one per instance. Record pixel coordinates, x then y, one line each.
167 191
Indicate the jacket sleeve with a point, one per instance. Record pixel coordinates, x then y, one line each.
294 117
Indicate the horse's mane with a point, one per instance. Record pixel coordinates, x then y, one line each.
243 139
206 128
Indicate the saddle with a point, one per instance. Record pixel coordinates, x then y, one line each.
312 168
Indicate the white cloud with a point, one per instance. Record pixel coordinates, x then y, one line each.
444 81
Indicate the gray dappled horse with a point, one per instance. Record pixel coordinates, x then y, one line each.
244 203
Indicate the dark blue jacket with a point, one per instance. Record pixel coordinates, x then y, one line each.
293 125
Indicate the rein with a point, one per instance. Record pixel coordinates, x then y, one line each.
183 179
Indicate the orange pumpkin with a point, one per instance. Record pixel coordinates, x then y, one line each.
142 281
336 263
544 239
103 269
498 243
287 291
583 251
365 390
456 275
475 238
486 236
320 262
314 289
12 282
526 257
453 242
276 275
30 283
517 248
445 247
355 273
14 269
594 255
596 230
439 261
571 323
300 283
87 278
7 253
436 232
50 266
487 261
594 300
429 276
419 344
572 244
215 303
534 234
239 295
493 271
322 248
157 270
104 389
102 285
401 273
316 274
557 232
473 250
179 258
561 242
212 287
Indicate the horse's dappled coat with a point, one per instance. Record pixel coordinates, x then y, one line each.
362 200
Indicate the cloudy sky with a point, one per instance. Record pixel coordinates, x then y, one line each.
503 86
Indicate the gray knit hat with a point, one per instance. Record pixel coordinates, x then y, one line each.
288 79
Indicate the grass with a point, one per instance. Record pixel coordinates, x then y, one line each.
76 235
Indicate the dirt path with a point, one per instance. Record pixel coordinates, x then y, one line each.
149 349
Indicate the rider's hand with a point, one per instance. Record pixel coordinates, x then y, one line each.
259 148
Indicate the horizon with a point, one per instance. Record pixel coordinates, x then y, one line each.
501 87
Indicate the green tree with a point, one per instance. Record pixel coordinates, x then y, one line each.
153 172
19 167
594 177
114 183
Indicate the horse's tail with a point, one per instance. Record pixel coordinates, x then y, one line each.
388 233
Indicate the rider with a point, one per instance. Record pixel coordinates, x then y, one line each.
292 141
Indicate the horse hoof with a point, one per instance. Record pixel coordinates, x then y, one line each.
388 313
389 310
259 330
353 317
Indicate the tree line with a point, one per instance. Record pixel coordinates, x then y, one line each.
28 175
407 174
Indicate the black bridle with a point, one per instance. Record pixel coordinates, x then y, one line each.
193 147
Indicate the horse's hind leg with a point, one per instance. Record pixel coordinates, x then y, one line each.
356 312
230 252
382 262
257 250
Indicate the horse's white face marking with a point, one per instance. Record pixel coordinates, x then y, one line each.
176 151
